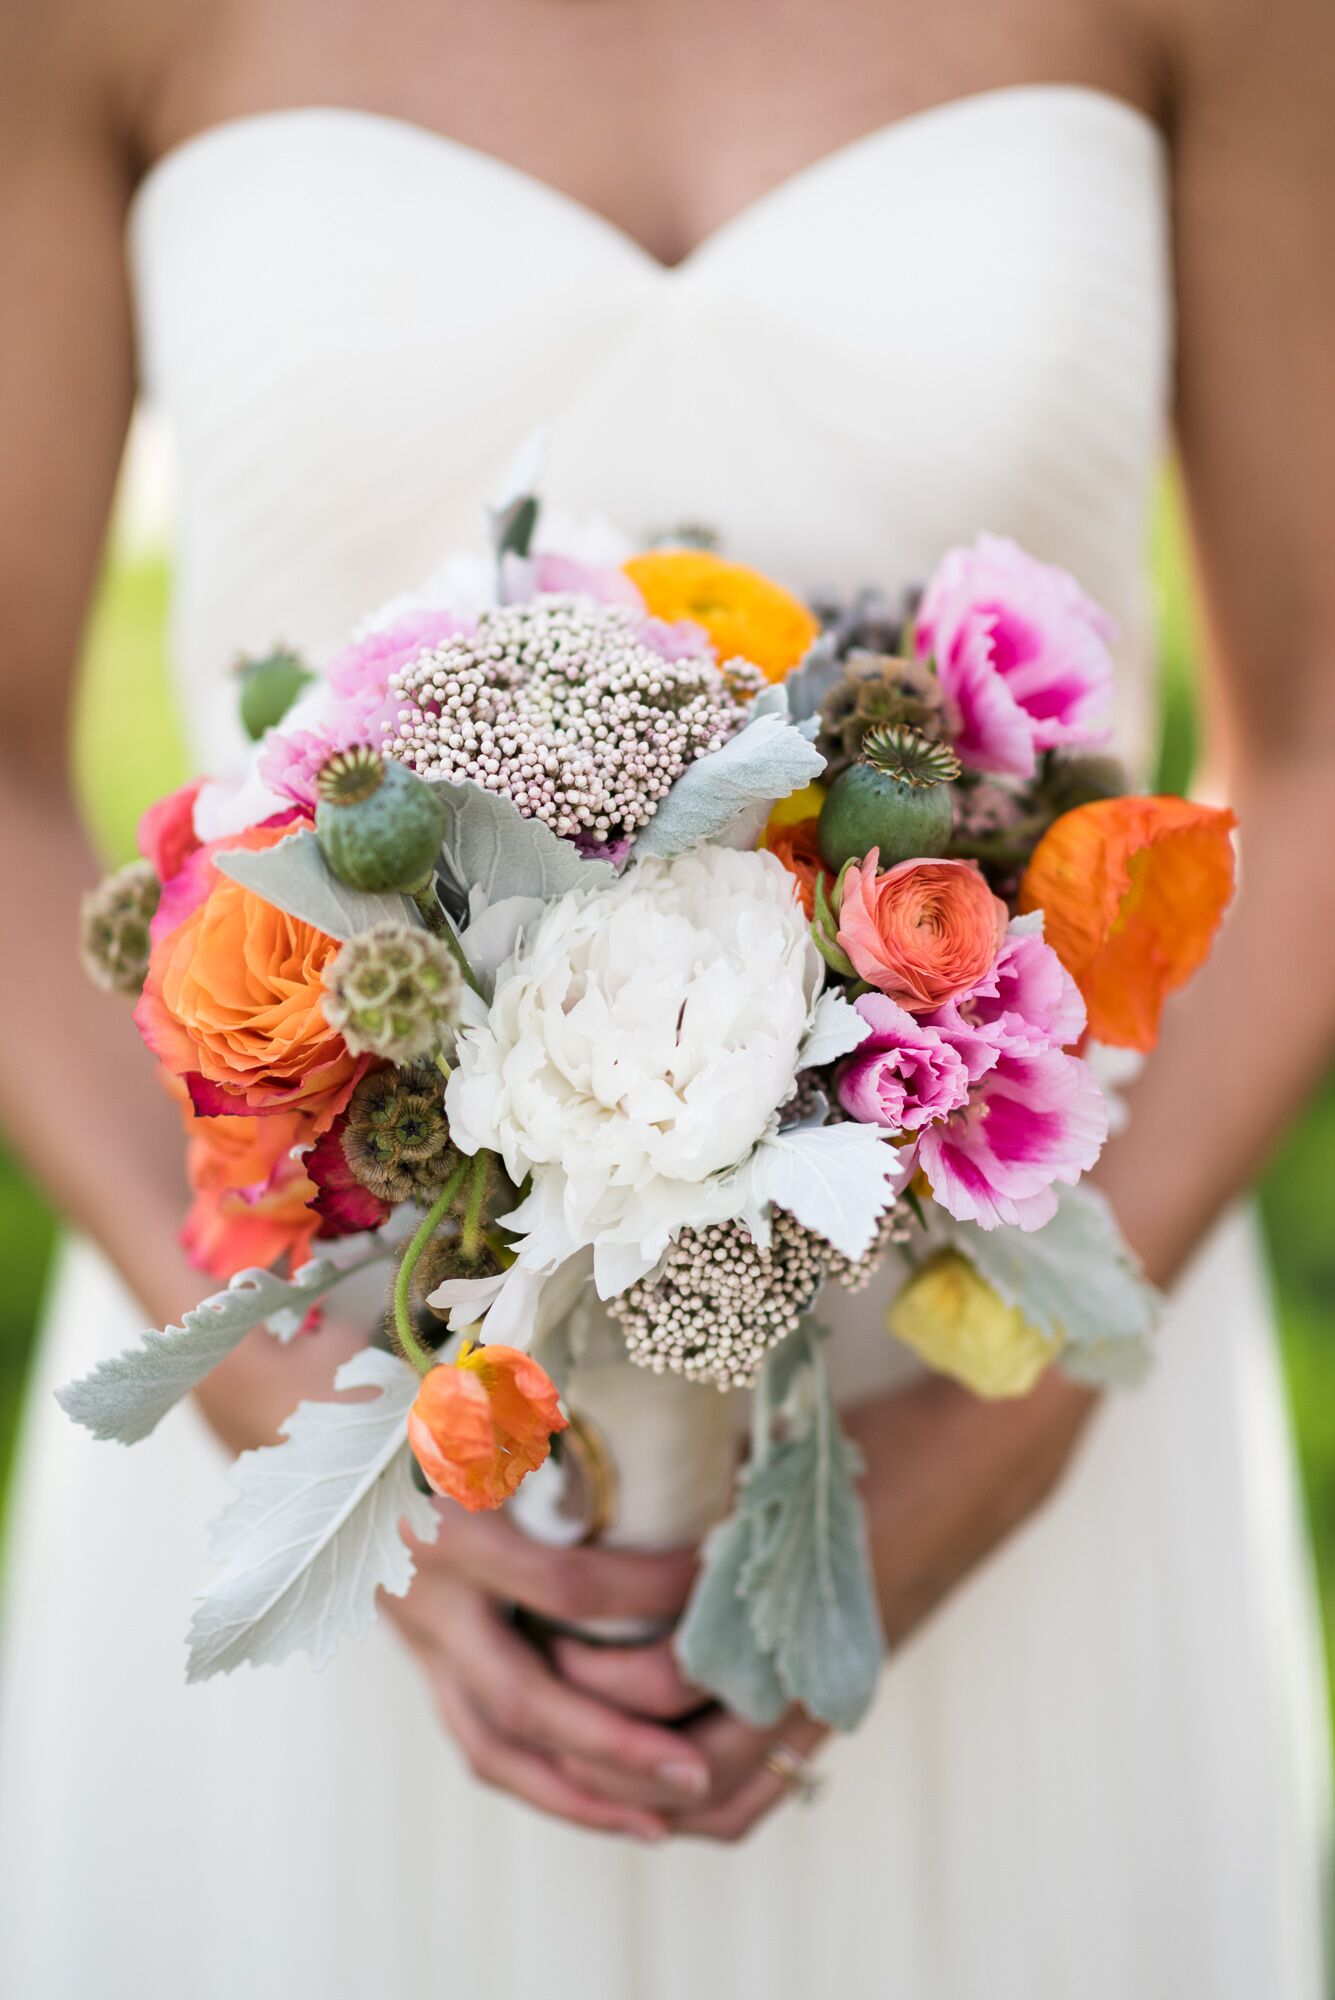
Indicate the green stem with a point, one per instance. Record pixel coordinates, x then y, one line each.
421 1357
477 1194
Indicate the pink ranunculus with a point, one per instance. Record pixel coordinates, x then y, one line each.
166 835
1030 1121
921 932
1025 1003
343 1205
905 1075
1022 654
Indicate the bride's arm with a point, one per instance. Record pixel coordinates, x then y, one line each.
77 1095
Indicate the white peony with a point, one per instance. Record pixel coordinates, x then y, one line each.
639 1043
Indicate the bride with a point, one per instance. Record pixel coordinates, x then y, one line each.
848 286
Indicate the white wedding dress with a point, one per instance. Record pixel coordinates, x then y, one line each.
1100 1772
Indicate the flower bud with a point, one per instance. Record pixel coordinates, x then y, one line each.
378 824
269 686
392 992
114 921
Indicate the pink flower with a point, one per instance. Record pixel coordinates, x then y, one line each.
1030 1121
1022 654
921 932
1027 1002
905 1075
363 706
551 573
290 765
343 1205
166 835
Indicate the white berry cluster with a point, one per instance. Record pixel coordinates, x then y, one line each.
561 704
895 1227
718 1304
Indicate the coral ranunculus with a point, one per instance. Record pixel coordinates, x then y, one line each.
744 613
797 847
1132 892
923 931
251 1197
481 1424
233 1001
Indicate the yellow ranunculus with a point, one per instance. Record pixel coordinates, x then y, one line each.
745 614
805 804
959 1325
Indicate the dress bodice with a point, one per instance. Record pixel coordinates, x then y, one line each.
959 321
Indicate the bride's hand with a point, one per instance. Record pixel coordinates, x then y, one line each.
520 1726
947 1479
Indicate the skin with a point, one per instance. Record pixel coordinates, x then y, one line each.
90 95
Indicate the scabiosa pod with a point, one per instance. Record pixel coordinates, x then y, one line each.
114 920
393 992
379 826
896 800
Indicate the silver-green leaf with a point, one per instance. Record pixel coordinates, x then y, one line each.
766 760
808 1579
295 877
490 846
313 1532
127 1396
715 1643
1074 1277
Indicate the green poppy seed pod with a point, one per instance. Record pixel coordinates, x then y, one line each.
897 799
378 824
393 992
269 686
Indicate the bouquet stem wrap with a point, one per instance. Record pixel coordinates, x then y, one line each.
649 1462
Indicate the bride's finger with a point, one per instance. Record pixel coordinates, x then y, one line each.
494 1761
573 1585
624 1757
646 1680
767 1785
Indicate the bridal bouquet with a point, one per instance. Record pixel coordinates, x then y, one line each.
635 960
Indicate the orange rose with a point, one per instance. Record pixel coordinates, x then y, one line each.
250 1195
923 931
233 1001
798 849
1132 891
480 1424
744 614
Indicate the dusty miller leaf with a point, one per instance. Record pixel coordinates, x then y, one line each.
491 847
836 1179
294 876
715 1644
766 760
127 1396
313 1532
808 1579
1075 1276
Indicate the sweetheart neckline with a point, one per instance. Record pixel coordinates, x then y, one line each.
226 131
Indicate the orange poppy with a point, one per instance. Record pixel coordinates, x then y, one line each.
797 847
745 614
1132 892
481 1424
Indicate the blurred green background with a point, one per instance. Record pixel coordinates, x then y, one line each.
126 752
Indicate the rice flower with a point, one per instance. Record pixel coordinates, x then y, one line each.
1132 892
